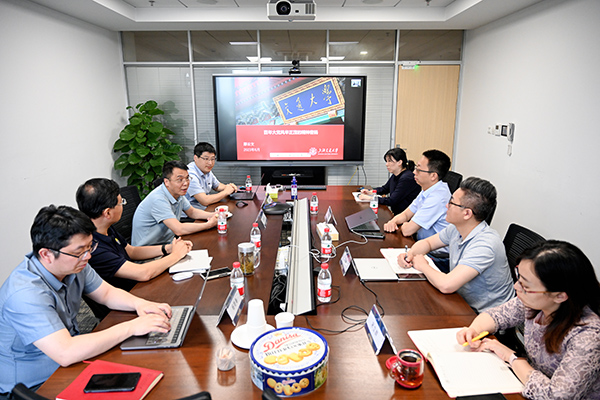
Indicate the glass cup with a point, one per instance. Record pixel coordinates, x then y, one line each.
246 257
408 369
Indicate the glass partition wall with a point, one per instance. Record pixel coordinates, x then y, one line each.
176 69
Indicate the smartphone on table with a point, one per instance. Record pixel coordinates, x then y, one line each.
121 382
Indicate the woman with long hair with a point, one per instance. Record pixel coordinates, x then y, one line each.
558 300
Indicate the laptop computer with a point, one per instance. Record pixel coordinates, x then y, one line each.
374 269
181 319
363 221
242 195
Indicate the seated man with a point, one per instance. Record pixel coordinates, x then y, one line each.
156 220
100 200
426 215
40 299
202 180
479 270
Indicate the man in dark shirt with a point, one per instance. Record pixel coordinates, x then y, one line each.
100 200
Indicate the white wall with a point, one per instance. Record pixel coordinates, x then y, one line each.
62 104
539 69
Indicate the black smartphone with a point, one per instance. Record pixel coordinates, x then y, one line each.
217 273
123 382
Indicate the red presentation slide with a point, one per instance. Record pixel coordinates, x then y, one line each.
290 142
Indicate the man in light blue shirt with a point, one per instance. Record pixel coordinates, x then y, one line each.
426 215
479 269
40 299
203 181
156 219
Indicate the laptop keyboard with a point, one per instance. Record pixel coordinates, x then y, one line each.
172 336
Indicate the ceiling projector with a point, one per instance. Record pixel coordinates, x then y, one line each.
291 10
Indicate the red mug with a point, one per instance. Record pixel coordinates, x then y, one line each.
408 369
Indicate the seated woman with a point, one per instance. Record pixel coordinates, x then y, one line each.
401 188
558 299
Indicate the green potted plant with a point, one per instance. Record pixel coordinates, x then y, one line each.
145 145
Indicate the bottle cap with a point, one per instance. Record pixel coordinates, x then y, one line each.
314 193
325 266
236 264
255 224
326 229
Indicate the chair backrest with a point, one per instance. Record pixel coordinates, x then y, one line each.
517 239
198 396
22 392
453 179
132 196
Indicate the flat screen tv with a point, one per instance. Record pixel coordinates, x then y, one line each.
290 120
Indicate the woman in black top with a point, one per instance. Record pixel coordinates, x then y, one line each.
401 189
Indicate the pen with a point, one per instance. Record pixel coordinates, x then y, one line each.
478 337
405 252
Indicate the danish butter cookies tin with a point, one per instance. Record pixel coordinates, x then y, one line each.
291 361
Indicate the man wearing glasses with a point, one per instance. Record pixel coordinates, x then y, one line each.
40 299
203 181
426 215
100 200
479 270
157 218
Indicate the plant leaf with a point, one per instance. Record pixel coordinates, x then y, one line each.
142 151
121 162
134 158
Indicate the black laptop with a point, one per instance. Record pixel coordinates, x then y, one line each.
363 221
244 195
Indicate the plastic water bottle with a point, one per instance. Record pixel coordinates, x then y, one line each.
324 284
222 223
326 245
374 204
294 189
255 238
236 278
314 204
248 183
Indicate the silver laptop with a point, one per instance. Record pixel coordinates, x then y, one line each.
374 269
243 195
181 319
363 221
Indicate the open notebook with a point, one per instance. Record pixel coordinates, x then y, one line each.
404 274
463 372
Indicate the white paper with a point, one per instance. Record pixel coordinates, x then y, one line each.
194 261
356 194
463 372
391 255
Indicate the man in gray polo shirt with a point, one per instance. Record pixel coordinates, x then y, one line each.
479 270
156 219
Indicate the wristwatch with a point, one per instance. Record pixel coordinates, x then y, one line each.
164 250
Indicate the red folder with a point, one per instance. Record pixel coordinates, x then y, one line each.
147 381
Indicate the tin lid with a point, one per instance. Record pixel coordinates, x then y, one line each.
289 350
246 247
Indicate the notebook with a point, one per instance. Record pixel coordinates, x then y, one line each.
181 319
405 274
363 221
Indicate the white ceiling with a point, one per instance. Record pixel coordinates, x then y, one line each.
141 15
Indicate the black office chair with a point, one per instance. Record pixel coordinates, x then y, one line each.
517 239
132 196
198 396
22 392
453 179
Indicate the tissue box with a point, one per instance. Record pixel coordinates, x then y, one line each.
335 235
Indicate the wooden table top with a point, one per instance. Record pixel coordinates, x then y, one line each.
354 371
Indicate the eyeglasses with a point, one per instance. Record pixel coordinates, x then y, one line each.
83 255
422 170
450 202
522 289
213 159
180 180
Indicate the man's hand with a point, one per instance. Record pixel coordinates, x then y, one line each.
180 247
150 323
230 188
405 260
418 262
212 221
233 186
390 226
145 307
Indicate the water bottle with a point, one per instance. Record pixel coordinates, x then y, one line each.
374 204
236 278
326 245
314 204
248 183
294 189
255 238
324 284
222 223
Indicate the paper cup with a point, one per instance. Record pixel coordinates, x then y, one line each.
284 320
225 209
256 314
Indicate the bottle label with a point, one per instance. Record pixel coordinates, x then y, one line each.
248 188
240 289
326 248
324 291
256 243
374 209
222 226
314 207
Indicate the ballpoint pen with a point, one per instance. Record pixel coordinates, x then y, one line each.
478 337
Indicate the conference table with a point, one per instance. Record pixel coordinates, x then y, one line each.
354 370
